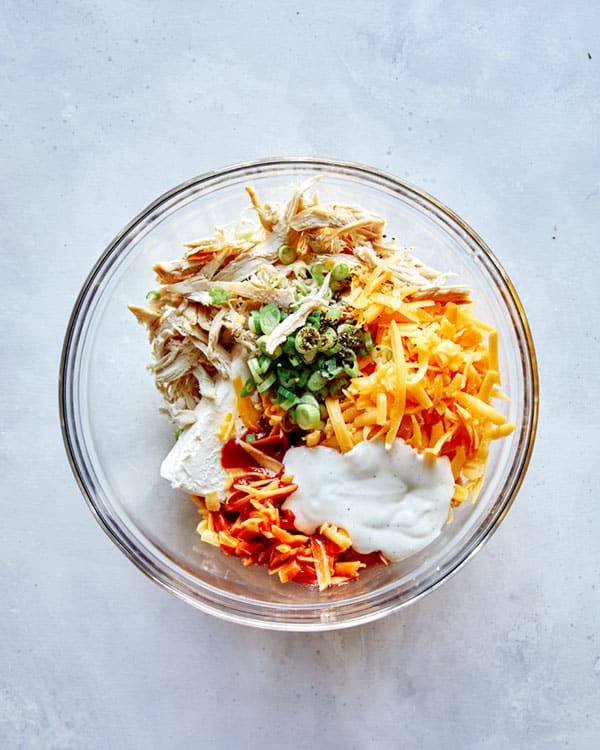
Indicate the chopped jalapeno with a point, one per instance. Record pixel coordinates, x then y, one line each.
307 340
328 338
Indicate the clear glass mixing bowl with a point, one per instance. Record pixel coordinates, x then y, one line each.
116 439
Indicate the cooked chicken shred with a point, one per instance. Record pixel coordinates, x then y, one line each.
201 310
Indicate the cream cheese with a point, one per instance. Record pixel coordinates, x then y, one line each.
194 462
394 501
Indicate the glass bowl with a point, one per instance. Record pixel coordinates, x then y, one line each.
116 439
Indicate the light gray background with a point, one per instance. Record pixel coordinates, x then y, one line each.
494 109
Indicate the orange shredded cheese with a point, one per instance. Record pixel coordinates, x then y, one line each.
430 381
245 407
338 423
251 524
399 384
226 427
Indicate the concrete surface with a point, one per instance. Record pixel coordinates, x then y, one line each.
493 108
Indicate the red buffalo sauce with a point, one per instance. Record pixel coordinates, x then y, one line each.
233 456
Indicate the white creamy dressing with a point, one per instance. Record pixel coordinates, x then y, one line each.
395 500
194 462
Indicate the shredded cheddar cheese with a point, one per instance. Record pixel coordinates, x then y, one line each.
431 382
252 525
338 423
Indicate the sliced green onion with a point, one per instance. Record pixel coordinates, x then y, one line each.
177 434
285 376
262 345
301 287
267 383
340 272
218 295
261 342
152 295
303 377
314 318
288 345
264 363
331 371
250 437
318 363
248 388
318 271
287 255
316 382
274 281
288 395
333 315
308 416
254 368
291 381
254 323
269 318
314 362
308 398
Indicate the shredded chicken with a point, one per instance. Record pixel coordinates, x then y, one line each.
205 298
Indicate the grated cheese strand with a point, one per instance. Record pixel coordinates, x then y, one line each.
399 385
340 429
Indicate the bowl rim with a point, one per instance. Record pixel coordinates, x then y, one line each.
145 562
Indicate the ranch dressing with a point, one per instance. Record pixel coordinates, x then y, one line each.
395 500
